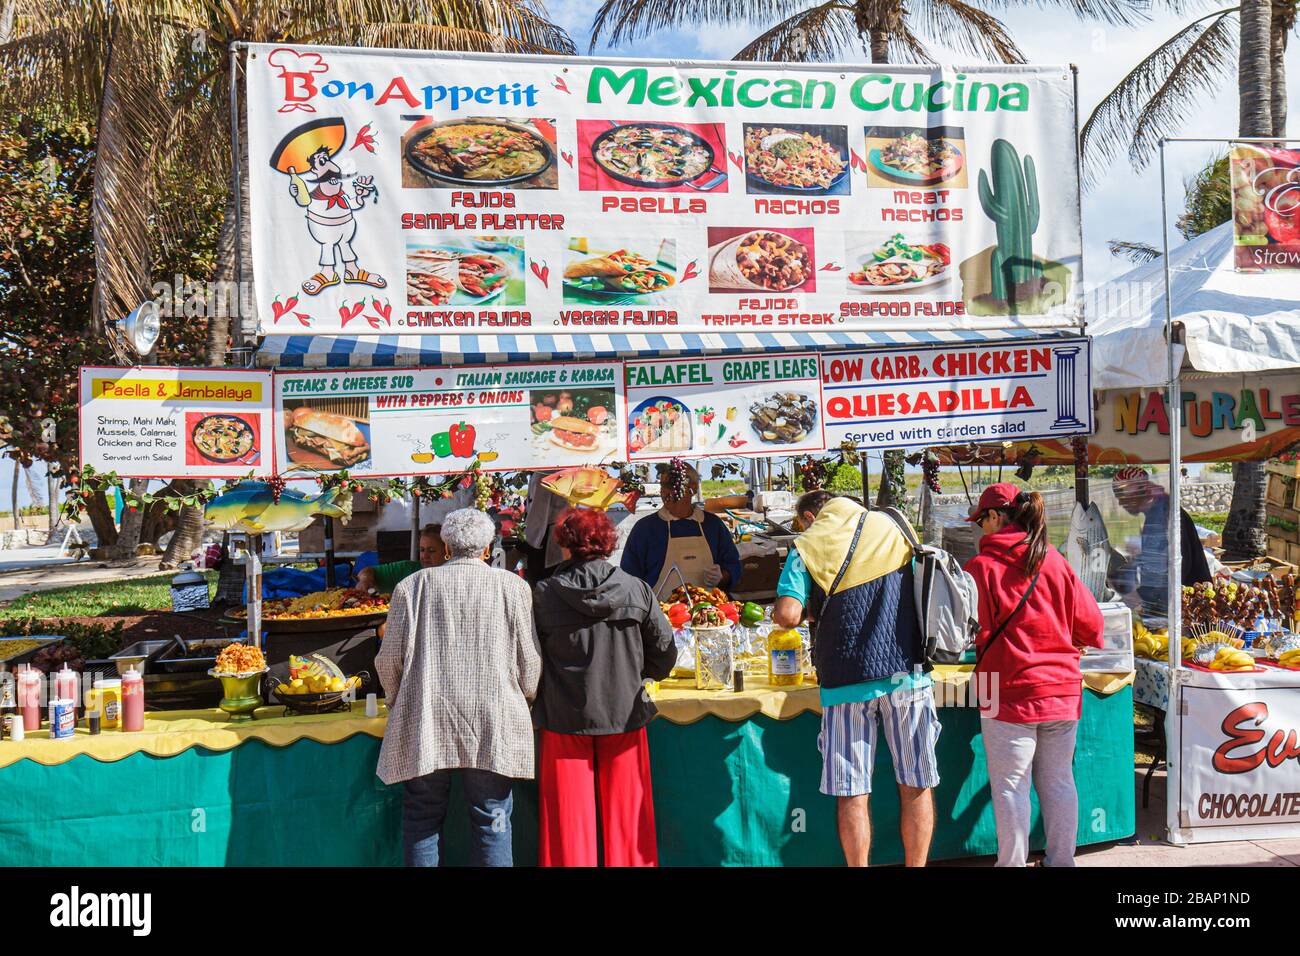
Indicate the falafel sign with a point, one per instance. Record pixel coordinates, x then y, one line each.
419 193
739 405
415 421
959 394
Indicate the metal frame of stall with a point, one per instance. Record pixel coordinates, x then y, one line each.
1176 832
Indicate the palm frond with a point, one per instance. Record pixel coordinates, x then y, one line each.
131 116
964 28
1134 251
1158 94
1114 12
423 36
621 21
816 35
906 47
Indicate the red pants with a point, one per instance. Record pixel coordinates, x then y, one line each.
573 771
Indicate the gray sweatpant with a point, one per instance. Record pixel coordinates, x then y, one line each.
1046 750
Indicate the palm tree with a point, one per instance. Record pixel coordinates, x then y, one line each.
888 30
1161 92
155 75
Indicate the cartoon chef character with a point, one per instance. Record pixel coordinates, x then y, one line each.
310 149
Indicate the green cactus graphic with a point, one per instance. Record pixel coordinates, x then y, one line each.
1012 204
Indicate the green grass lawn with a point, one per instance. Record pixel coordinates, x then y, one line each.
135 596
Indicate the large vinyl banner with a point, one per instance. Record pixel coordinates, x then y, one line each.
420 193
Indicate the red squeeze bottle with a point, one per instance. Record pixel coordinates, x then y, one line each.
132 700
29 698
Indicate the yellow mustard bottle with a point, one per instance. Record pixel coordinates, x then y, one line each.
784 658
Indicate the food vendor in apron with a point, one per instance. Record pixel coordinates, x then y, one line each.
681 535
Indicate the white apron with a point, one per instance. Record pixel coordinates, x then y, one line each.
691 555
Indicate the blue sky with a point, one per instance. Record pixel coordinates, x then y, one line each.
1126 205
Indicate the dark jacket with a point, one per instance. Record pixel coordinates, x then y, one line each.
602 635
867 632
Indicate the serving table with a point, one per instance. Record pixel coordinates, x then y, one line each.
735 782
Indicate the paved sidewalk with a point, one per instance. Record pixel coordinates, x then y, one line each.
16 583
1150 850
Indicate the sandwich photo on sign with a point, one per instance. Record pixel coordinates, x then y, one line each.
328 434
580 420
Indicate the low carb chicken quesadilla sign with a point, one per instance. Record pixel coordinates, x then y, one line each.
424 193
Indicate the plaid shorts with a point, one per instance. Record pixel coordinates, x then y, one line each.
848 741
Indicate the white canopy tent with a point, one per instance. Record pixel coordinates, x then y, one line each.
1231 321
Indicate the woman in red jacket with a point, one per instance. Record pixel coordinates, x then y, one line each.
1035 619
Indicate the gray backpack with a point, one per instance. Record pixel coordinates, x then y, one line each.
947 602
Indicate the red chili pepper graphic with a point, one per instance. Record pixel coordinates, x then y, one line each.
567 157
689 272
366 138
462 440
561 85
303 318
856 161
829 267
735 158
542 272
383 309
737 441
349 312
278 308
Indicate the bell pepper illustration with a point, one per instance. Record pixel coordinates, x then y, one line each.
441 444
461 438
1012 203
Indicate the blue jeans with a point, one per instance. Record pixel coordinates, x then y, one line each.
424 807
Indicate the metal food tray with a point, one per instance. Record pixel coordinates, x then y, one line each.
140 654
173 660
312 625
21 657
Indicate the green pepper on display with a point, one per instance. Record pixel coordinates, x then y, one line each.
751 615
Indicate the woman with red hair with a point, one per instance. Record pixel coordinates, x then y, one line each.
603 636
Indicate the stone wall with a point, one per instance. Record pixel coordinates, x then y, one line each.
1207 496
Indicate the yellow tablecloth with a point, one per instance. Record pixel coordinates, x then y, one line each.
169 732
681 703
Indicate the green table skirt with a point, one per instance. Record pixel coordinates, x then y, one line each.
725 793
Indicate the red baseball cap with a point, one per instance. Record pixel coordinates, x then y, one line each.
1001 495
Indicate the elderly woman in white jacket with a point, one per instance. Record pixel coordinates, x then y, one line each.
459 663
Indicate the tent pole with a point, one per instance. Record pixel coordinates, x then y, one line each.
1175 589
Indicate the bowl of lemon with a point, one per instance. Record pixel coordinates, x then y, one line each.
315 685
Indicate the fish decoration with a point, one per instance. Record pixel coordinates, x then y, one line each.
1088 548
250 506
590 487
